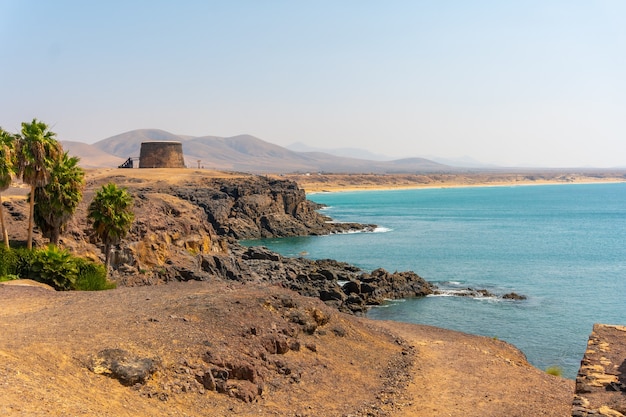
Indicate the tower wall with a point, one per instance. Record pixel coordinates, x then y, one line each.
161 155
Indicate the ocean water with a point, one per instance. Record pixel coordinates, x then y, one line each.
562 246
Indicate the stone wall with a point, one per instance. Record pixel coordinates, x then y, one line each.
601 380
161 155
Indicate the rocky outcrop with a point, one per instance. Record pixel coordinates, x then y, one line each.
336 283
260 207
190 231
601 380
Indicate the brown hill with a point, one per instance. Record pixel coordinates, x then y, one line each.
90 156
247 153
127 144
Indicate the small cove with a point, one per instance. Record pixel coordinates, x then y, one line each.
563 246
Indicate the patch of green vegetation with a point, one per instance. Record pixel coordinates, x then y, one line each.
92 276
554 370
10 277
8 260
55 267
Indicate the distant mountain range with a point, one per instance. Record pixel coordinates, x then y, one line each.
244 153
463 162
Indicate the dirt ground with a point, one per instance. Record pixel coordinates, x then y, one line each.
348 366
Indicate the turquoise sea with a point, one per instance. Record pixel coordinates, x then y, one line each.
563 246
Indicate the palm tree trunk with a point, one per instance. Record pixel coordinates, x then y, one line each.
29 242
55 235
107 251
5 233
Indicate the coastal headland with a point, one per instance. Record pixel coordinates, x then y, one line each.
223 329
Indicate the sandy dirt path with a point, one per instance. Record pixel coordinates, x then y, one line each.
461 375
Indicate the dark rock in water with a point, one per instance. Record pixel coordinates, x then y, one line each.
123 366
485 293
514 296
469 292
320 279
479 293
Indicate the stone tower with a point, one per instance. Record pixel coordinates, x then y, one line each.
161 155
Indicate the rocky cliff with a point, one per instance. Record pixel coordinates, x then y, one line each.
188 230
259 207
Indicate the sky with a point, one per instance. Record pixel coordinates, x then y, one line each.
516 83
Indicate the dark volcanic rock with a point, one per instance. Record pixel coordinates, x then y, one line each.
190 231
320 279
260 207
123 366
514 296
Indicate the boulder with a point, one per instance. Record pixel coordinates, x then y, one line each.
119 364
514 296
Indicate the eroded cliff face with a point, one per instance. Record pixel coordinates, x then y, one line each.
260 207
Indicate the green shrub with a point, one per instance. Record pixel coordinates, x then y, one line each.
91 276
554 370
8 261
55 267
24 259
8 277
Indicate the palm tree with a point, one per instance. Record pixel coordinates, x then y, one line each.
111 214
57 201
7 169
37 149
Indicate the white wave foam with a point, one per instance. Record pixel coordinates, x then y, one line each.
349 232
366 229
352 232
463 293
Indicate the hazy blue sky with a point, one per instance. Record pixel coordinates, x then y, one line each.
511 82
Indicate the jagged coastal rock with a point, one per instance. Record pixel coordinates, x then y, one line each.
260 207
189 231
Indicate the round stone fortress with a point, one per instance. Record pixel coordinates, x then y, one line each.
161 155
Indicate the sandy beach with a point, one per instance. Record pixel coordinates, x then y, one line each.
318 183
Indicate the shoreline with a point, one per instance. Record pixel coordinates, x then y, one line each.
430 187
326 183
